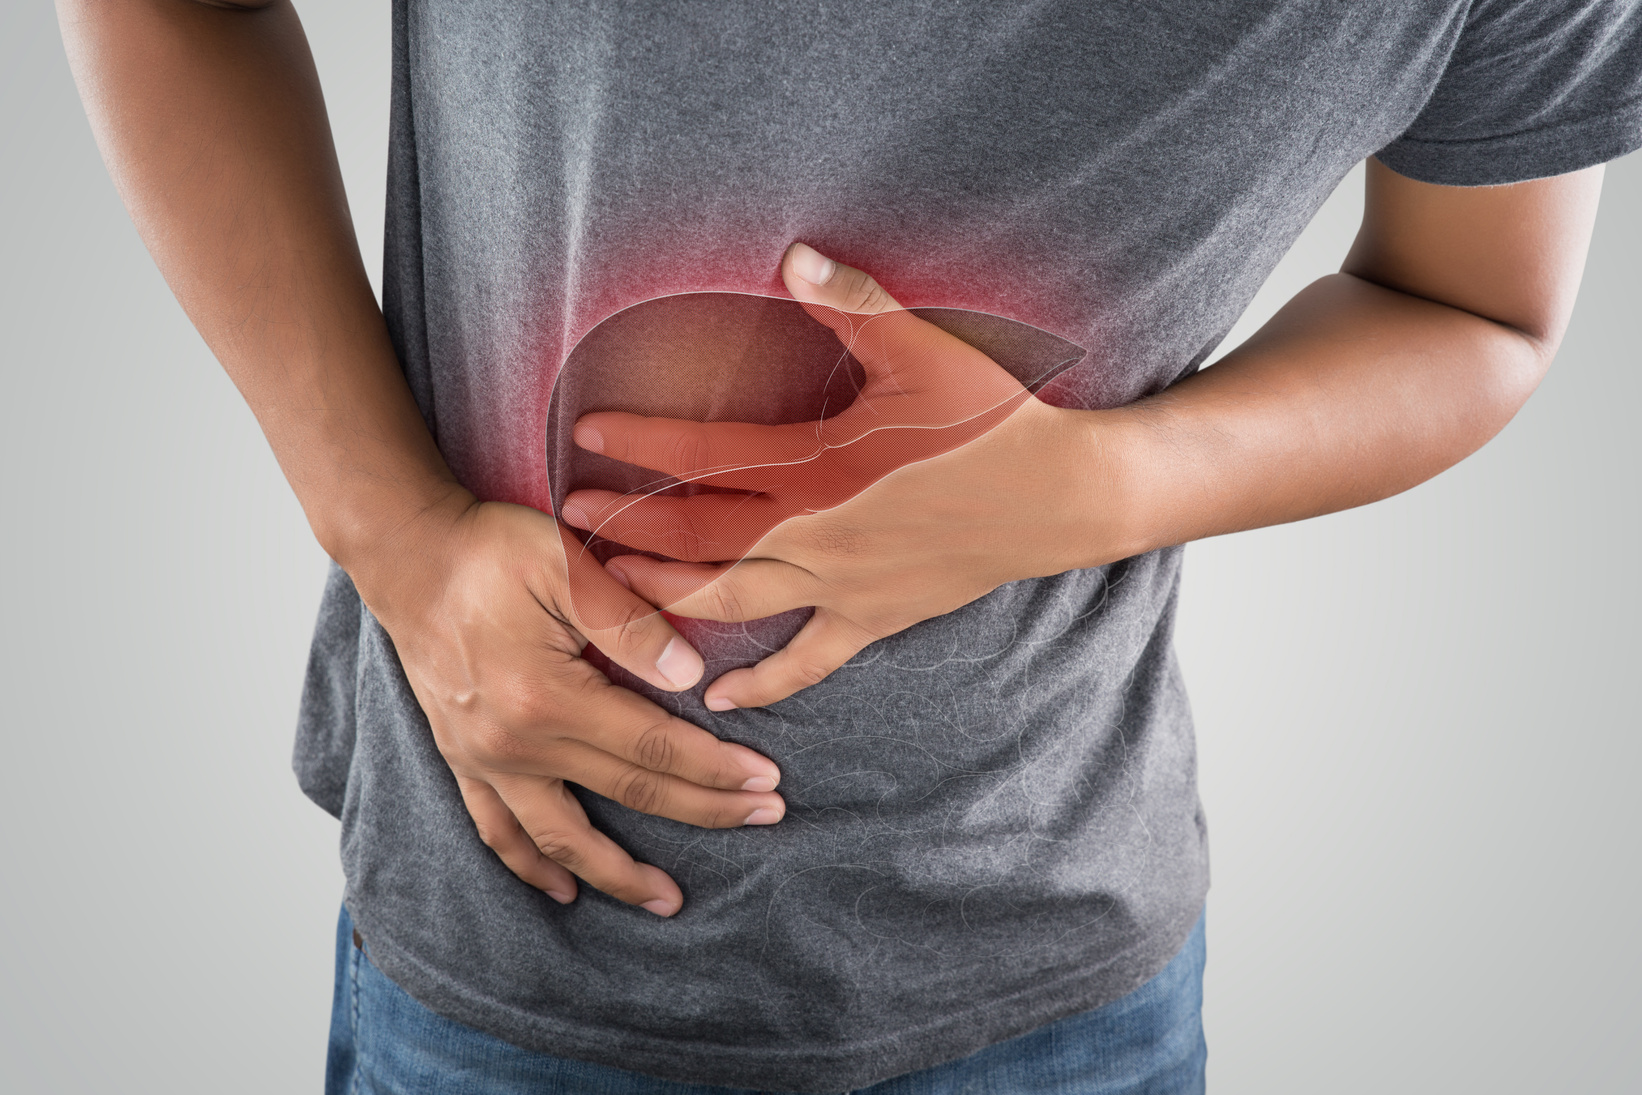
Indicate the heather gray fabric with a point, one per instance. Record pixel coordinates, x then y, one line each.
992 817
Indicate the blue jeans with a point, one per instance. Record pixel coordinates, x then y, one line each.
1149 1042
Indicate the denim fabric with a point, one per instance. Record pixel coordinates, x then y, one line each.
1149 1042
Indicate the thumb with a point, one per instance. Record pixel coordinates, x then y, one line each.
848 301
903 355
630 631
813 278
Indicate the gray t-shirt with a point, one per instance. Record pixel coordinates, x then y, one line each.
992 817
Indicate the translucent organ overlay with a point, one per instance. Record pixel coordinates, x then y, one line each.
736 412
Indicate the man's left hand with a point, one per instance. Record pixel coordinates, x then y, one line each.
944 480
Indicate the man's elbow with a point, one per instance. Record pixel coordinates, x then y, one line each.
1515 369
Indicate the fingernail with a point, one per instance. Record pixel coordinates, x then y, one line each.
659 907
719 703
759 783
619 575
561 898
575 516
588 438
679 664
764 815
811 265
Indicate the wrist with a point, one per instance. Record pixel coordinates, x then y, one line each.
392 534
1109 448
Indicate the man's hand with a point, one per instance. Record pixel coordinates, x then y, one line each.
1445 317
944 479
473 596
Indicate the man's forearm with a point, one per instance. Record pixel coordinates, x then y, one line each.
1352 393
213 126
1450 307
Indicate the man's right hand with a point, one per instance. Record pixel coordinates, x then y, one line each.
475 597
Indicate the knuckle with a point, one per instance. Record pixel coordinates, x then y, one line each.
723 772
488 834
524 703
810 673
641 790
719 817
727 812
863 294
581 695
683 538
627 630
630 616
863 632
688 452
561 847
722 601
496 746
655 748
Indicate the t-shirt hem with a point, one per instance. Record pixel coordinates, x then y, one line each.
1518 157
321 792
824 1070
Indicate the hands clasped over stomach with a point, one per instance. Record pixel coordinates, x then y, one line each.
941 480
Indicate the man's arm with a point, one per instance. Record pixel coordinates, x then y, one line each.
211 121
1444 319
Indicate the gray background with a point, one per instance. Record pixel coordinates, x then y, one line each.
1416 723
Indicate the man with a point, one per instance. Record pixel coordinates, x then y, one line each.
987 828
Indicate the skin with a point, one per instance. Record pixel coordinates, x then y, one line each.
923 393
1443 320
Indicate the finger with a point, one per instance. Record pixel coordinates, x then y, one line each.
502 834
652 792
813 278
825 644
557 825
704 527
849 301
740 455
629 630
724 528
728 593
620 722
903 354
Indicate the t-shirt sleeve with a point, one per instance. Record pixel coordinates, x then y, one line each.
1533 88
